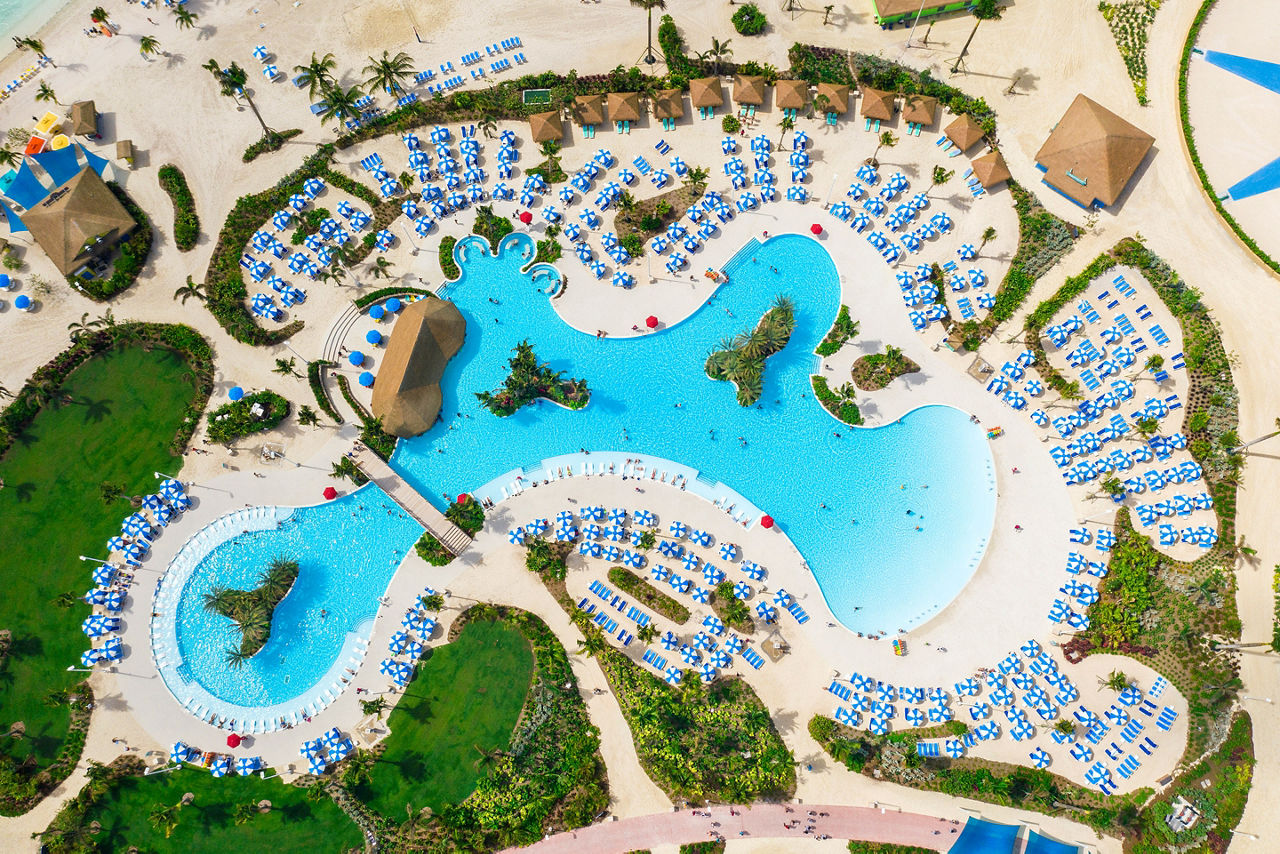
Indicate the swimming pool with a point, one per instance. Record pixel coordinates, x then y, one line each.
909 506
347 551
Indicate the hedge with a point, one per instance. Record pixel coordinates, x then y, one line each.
130 260
315 377
186 224
1184 114
269 143
649 595
385 293
234 420
447 265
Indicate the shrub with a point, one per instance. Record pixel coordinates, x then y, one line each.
380 294
633 243
378 440
549 251
675 52
131 257
648 595
271 142
529 381
490 226
432 550
467 514
730 124
234 420
846 410
186 225
315 378
842 330
447 265
546 559
749 20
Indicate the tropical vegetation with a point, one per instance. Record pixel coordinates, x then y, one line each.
432 550
252 610
876 370
748 20
129 259
528 381
1130 22
648 595
447 265
491 226
841 331
273 141
186 224
741 359
466 513
841 403
236 419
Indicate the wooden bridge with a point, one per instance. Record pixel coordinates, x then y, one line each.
411 501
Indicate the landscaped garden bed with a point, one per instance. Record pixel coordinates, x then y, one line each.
840 404
186 224
251 414
648 595
841 331
876 370
530 381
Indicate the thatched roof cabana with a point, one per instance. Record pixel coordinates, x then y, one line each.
406 392
964 132
1092 153
78 221
625 106
545 127
706 92
919 109
990 169
749 89
837 95
668 104
790 94
84 118
877 103
588 110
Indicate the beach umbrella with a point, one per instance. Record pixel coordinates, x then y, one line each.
564 517
741 590
753 570
953 747
316 765
690 561
782 598
690 655
114 600
635 560
718 658
673 676
596 549
612 553
914 716
116 544
614 533
670 549
1040 758
733 645
659 573
701 595
714 625
516 536
702 640
591 531
90 657
96 596
669 641
366 379
584 548
221 766
728 551
566 535
636 537
707 673
712 574
103 574
766 612
618 516
179 752
236 393
878 726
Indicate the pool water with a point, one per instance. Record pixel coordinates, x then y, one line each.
908 506
347 551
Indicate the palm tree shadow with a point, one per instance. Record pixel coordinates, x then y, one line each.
206 32
22 492
95 411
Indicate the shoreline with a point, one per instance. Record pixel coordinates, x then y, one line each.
40 22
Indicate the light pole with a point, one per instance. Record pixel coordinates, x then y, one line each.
74 669
1259 699
96 560
1246 834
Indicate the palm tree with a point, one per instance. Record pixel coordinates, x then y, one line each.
626 202
982 10
376 706
358 769
592 644
893 361
696 178
940 176
647 633
650 55
45 93
886 140
190 289
35 45
826 15
988 235
388 73
286 367
184 18
488 126
317 75
164 818
786 124
9 158
1206 591
148 45
1116 681
380 268
99 15
5 393
307 416
83 327
217 599
717 53
340 104
231 82
488 758
241 813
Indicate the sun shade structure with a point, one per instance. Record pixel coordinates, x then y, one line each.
668 104
748 89
790 94
1040 844
545 127
706 92
407 394
77 221
1092 153
919 109
990 169
964 132
877 103
624 106
84 118
837 95
985 837
588 110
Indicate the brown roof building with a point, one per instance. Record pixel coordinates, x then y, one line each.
588 110
78 221
1092 153
990 169
790 94
84 118
877 103
748 89
964 132
837 95
668 104
919 109
625 106
546 126
406 393
706 92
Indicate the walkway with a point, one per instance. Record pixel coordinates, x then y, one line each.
759 821
450 535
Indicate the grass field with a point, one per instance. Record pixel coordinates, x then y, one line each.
464 700
207 824
125 407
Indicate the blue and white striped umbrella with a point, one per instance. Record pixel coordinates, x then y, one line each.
782 598
612 553
591 531
398 642
1031 648
690 655
221 766
940 714
967 252
707 673
90 657
741 590
635 560
636 536
914 716
1040 758
246 765
413 651
690 561
673 676
878 726
114 600
980 711
766 612
669 548
702 640
728 551
566 534
659 573
615 533
618 516
728 145
596 549
733 645
953 747
701 595
316 765
103 574
712 574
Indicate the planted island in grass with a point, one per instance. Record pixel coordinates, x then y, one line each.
252 413
529 381
740 360
252 610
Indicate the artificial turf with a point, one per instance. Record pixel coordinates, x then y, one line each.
295 822
464 701
113 421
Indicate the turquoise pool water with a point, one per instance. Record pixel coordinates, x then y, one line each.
921 490
347 551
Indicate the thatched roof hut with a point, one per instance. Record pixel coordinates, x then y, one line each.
919 109
964 132
837 95
749 89
625 106
877 103
588 110
406 393
668 104
78 221
790 94
84 118
545 127
990 169
1092 153
706 92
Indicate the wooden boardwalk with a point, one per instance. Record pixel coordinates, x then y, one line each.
450 535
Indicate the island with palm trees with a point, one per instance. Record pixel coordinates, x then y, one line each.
876 370
741 359
251 610
529 381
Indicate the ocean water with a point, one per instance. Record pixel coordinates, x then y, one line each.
908 506
25 17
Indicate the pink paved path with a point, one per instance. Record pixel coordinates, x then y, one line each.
760 821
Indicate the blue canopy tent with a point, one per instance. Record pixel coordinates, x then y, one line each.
98 164
986 837
62 164
15 222
1038 844
26 189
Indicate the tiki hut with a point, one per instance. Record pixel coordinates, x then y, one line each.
706 92
990 169
546 127
877 103
1092 153
124 150
964 132
84 119
80 220
748 89
668 104
588 110
406 393
625 107
919 109
790 94
837 95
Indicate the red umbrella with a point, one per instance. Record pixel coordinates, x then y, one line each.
526 217
233 740
330 493
766 521
815 228
651 322
463 498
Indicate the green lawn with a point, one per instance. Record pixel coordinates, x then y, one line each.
466 696
295 823
125 408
